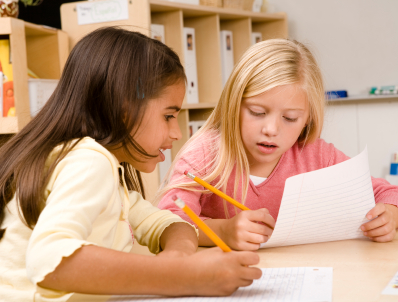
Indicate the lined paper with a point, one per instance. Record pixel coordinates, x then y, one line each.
392 287
325 205
295 284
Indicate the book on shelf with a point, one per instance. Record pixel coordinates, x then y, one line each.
190 65
157 32
256 37
227 54
194 126
257 4
40 91
8 103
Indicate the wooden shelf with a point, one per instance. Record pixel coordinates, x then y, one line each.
8 125
44 50
190 10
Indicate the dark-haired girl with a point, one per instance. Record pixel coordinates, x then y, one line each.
71 195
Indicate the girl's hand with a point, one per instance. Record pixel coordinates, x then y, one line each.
213 272
384 225
242 232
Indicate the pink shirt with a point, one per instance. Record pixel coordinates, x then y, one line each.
269 193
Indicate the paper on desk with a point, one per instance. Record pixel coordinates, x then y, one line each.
295 284
392 287
325 205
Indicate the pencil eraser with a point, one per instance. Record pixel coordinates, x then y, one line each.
174 197
186 172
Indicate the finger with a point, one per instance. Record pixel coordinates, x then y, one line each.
380 231
385 238
376 211
259 228
255 238
261 215
376 223
245 283
248 258
246 246
250 273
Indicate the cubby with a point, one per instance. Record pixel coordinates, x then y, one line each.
44 50
207 21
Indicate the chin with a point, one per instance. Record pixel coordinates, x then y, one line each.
147 169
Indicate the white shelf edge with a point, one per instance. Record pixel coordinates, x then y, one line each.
365 98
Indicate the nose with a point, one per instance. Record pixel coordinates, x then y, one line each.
270 126
175 131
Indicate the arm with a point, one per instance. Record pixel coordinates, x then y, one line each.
97 270
178 239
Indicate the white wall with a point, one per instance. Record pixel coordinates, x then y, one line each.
351 126
355 41
356 45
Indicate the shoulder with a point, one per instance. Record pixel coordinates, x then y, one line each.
318 154
88 158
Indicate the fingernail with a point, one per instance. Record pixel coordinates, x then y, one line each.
362 228
369 216
365 233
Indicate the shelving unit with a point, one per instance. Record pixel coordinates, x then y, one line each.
44 50
207 21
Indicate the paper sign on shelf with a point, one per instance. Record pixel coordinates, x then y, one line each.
102 11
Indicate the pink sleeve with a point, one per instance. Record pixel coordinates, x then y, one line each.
384 192
191 198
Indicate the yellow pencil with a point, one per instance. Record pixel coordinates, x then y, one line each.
216 191
205 228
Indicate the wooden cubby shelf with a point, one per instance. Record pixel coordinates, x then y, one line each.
44 50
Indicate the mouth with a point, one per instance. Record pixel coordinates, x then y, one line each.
268 145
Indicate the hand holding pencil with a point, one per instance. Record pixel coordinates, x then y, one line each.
246 230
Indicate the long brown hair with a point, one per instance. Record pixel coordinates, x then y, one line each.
103 92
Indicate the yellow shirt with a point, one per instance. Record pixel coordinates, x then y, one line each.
85 205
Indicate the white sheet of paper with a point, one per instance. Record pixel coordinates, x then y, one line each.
325 205
295 284
392 287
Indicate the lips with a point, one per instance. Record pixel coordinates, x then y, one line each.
268 144
267 147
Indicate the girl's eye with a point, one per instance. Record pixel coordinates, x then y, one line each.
290 119
256 113
169 117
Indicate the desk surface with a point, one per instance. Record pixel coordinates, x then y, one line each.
361 268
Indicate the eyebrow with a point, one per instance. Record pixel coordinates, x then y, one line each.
176 108
287 109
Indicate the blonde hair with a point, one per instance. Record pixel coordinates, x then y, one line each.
263 66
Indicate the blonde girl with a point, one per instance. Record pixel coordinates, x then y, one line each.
264 129
71 194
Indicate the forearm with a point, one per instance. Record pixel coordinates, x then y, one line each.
179 237
218 226
97 270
